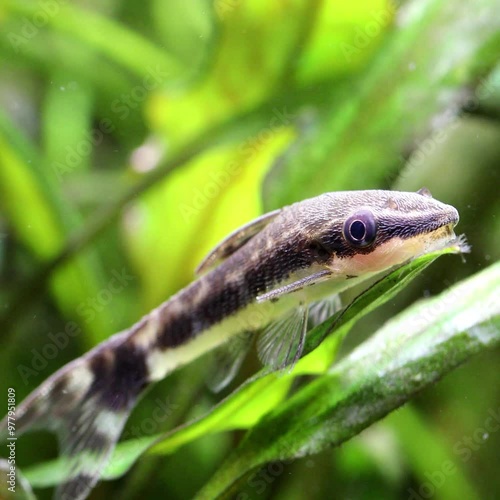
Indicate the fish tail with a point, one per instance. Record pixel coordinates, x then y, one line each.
86 404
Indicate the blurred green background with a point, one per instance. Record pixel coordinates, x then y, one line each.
135 135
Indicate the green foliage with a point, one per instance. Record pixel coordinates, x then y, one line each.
135 135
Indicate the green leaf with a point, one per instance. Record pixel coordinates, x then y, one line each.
412 351
425 64
42 222
246 40
330 50
185 28
431 454
67 137
137 54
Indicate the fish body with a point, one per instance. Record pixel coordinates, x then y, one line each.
262 278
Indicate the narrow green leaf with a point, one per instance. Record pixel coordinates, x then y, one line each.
412 79
134 52
65 133
432 454
232 83
42 222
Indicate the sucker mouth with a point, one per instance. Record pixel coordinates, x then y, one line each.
449 239
445 232
449 229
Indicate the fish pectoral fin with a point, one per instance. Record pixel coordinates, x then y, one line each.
312 279
323 309
281 343
227 360
235 241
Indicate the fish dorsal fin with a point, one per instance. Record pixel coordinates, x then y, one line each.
234 241
281 343
227 360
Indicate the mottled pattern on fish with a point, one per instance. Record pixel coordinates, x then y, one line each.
261 272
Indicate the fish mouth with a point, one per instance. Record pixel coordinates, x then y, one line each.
444 233
445 237
449 230
450 239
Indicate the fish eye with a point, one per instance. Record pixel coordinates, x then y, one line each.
360 229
